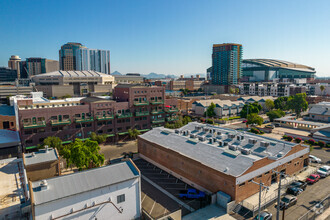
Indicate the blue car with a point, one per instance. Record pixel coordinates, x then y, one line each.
191 194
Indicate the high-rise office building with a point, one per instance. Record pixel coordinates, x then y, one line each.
226 64
75 56
14 64
37 65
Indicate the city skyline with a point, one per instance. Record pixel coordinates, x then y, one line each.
169 37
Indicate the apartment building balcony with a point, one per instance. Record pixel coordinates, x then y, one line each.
39 124
173 118
125 115
84 120
141 103
60 122
104 117
171 110
159 120
155 112
157 102
144 113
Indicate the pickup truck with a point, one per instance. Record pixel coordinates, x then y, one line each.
191 194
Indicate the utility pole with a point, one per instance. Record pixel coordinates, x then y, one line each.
261 186
279 195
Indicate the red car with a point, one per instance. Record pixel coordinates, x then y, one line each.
313 178
244 121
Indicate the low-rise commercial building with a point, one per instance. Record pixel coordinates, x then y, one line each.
109 192
73 83
319 112
43 164
322 133
7 117
223 108
291 122
213 159
131 79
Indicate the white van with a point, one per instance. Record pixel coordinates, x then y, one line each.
324 171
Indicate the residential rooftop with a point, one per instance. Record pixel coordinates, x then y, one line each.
41 156
84 181
225 150
9 138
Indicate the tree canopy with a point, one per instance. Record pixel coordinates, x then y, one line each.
269 104
253 108
54 142
275 114
281 103
133 133
100 139
254 118
298 103
84 155
210 110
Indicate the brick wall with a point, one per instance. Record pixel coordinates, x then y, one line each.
42 170
10 119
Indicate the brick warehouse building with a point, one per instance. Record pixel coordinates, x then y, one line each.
133 106
216 159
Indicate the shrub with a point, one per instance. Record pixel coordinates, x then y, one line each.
328 145
234 117
289 138
255 130
298 140
209 121
285 136
321 144
261 132
311 141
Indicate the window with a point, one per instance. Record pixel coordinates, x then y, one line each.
242 184
100 131
28 132
120 198
259 176
267 173
109 130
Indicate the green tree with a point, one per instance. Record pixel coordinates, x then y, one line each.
66 96
54 142
298 103
254 118
210 110
237 91
186 120
253 108
100 139
231 91
84 155
269 104
281 103
275 114
133 133
322 88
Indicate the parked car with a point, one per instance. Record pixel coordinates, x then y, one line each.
294 190
191 194
314 159
244 121
299 184
264 216
324 171
266 122
313 178
277 124
270 126
287 201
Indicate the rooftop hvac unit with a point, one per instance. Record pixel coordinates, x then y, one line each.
232 136
211 140
246 151
264 144
225 143
197 128
177 131
232 147
192 135
221 143
252 141
240 137
201 138
218 132
188 132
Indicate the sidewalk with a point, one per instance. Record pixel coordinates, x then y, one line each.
325 215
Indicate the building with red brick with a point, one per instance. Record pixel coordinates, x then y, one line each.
132 106
216 159
7 117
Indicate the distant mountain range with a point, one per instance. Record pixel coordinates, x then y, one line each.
161 76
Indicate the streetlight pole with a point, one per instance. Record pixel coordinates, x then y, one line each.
261 185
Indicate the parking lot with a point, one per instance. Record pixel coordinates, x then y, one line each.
306 200
169 183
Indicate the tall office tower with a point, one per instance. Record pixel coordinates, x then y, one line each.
75 56
13 64
67 55
226 64
37 65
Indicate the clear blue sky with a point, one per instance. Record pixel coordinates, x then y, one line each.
169 36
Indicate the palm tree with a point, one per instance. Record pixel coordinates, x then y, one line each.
322 88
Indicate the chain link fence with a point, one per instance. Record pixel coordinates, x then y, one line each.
317 210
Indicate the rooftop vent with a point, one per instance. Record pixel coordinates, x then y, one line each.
218 132
201 138
240 137
252 141
211 141
232 147
226 169
43 185
177 131
33 154
225 143
264 144
246 151
192 135
232 136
